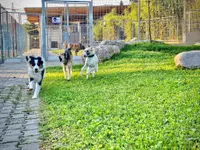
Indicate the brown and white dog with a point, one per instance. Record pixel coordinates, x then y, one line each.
77 47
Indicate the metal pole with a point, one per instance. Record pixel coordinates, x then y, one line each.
1 34
67 19
8 46
91 22
184 20
139 20
20 35
149 20
44 47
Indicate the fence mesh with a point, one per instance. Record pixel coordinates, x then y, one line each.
160 20
18 35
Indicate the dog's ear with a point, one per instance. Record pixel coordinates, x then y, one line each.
40 61
27 58
60 58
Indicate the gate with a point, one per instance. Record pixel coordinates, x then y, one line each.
18 35
70 20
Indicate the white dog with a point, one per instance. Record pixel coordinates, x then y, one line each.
91 62
36 70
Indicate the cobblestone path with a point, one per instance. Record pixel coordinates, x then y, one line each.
19 114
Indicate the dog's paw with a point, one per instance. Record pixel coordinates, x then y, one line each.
28 89
34 97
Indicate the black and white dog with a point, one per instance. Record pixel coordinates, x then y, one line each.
66 59
36 71
91 62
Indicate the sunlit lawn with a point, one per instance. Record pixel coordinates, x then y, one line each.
137 100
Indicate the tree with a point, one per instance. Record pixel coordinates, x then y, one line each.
31 28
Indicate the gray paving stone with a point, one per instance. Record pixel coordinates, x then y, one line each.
31 127
21 108
21 105
16 121
33 116
1 131
30 139
9 139
2 125
4 115
9 146
33 121
3 120
8 104
18 116
4 95
1 104
16 132
2 100
30 132
7 107
6 111
14 126
32 146
15 112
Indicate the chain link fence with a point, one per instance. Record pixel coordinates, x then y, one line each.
17 35
167 21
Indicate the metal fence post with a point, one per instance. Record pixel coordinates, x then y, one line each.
44 48
1 36
91 22
138 19
20 34
7 35
184 21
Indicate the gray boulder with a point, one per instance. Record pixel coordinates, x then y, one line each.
189 59
105 52
118 43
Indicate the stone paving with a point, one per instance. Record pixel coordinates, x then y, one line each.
19 114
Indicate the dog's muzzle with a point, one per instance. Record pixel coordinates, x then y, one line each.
36 70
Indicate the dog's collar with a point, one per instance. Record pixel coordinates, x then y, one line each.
91 55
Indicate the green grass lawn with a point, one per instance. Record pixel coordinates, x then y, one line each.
137 100
59 51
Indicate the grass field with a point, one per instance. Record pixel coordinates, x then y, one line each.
137 100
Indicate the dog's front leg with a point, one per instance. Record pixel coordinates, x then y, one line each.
37 90
69 73
90 70
82 69
64 71
31 84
